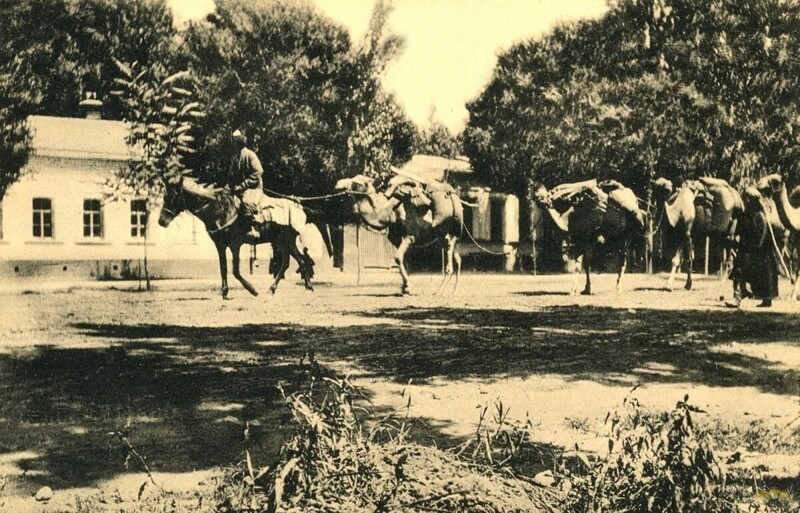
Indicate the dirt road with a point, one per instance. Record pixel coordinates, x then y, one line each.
184 370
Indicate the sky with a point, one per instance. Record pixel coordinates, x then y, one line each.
451 45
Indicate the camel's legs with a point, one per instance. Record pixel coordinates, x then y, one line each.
399 258
576 270
796 287
587 263
676 263
689 262
623 265
457 259
448 246
223 267
246 284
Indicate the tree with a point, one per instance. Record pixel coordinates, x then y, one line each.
310 103
435 139
670 87
161 110
53 50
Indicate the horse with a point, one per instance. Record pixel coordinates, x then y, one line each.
218 209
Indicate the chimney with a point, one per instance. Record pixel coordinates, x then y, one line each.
91 107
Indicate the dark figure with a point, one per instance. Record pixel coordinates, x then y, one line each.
755 261
245 181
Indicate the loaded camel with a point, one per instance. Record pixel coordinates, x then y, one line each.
707 207
591 213
412 213
218 209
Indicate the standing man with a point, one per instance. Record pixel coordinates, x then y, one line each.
755 261
245 180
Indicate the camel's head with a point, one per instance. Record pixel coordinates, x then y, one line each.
359 187
541 196
663 186
770 184
359 184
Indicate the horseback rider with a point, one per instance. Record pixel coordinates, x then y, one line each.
246 182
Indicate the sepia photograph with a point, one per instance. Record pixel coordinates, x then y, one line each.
399 256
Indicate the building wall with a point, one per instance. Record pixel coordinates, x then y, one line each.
67 182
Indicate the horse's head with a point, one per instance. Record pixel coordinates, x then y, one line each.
174 202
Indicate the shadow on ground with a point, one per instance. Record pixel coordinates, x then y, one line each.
188 390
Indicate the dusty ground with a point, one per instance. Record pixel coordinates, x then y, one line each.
186 370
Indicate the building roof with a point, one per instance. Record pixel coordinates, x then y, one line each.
79 138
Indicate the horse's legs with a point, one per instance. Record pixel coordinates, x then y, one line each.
304 262
223 267
587 262
622 265
283 253
399 258
448 247
246 284
689 262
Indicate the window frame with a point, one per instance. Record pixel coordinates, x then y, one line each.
92 224
39 219
139 219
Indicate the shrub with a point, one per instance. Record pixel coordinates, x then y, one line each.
655 463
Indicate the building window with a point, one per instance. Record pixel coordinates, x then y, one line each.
138 218
92 218
42 217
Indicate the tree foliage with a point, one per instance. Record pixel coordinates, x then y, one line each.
436 139
309 101
53 50
655 87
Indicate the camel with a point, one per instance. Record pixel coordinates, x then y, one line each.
592 213
707 207
411 214
788 212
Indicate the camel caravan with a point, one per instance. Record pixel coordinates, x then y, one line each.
589 214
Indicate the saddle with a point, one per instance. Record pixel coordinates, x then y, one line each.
281 211
439 199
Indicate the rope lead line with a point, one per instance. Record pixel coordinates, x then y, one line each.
300 199
501 253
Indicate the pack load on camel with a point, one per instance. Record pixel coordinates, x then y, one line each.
281 222
590 213
705 207
412 210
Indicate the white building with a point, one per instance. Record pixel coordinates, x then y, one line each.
57 219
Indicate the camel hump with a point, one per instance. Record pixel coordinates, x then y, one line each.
709 181
625 199
610 185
